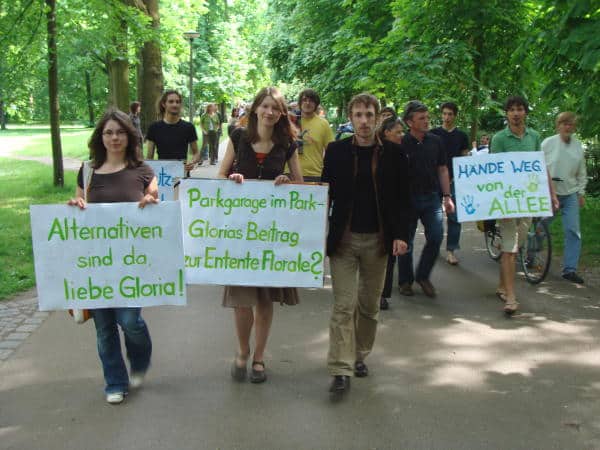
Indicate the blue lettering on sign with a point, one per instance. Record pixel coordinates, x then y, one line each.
527 166
467 170
164 179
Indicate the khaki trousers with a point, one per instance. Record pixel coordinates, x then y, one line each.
357 276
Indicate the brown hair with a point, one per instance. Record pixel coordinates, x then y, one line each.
365 99
163 100
387 125
283 132
97 148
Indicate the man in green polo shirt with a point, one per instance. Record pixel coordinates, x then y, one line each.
516 137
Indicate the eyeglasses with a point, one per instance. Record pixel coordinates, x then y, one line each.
111 133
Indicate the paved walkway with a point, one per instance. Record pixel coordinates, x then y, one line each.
450 372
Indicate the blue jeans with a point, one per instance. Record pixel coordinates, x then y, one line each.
137 343
428 209
569 209
454 226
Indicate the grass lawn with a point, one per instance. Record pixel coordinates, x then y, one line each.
35 141
23 183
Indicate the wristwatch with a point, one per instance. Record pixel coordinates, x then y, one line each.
446 195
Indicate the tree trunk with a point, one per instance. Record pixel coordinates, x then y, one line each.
118 72
90 103
2 116
475 100
151 75
53 95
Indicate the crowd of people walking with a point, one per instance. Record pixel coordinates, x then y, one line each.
390 173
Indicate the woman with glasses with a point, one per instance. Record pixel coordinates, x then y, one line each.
117 174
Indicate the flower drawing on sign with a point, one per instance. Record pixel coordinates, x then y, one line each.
534 182
467 204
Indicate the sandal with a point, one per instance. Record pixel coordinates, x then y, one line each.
239 373
258 376
501 295
511 306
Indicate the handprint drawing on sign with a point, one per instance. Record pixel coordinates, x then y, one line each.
467 204
534 182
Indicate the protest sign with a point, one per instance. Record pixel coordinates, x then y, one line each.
167 172
108 255
253 233
501 185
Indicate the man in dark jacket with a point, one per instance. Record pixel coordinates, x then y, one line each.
369 218
430 187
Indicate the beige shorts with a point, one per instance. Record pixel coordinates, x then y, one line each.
514 233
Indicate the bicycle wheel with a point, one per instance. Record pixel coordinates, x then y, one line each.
493 242
536 255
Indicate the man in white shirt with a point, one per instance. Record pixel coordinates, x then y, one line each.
566 163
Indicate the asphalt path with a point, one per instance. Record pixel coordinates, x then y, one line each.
446 373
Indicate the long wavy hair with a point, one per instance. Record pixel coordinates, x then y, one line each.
283 132
96 145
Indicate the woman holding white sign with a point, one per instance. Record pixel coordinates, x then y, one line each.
117 174
259 152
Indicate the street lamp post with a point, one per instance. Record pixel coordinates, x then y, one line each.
191 35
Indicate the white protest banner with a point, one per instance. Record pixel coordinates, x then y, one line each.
501 185
167 172
253 233
108 255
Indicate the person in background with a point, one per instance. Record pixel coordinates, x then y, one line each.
171 136
386 113
134 116
483 148
391 131
314 135
430 188
566 163
261 151
119 175
233 121
210 123
456 144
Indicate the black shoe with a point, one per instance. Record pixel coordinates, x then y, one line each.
340 384
384 304
258 376
427 287
573 277
406 289
360 369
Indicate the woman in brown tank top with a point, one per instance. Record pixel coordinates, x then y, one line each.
118 176
259 152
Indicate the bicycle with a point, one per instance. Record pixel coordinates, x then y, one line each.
535 255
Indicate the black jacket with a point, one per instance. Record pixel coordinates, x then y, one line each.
392 188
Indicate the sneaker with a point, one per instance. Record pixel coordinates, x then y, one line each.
360 369
451 258
384 303
114 398
136 379
427 287
573 277
406 289
340 385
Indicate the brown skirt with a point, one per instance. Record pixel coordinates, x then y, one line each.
248 296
